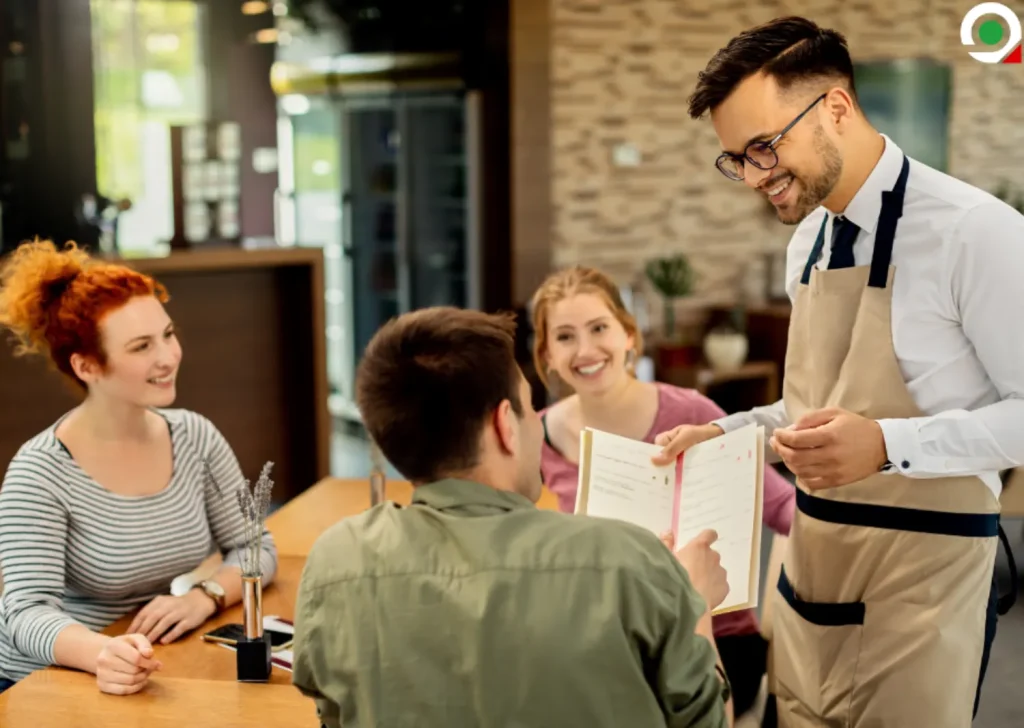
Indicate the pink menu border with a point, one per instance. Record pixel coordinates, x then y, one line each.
676 497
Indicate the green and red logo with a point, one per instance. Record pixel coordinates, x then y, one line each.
991 32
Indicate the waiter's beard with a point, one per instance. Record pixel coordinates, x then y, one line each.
813 189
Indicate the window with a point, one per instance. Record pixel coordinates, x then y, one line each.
909 100
149 74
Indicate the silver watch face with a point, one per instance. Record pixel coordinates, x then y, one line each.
214 588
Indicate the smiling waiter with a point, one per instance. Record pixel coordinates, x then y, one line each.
903 396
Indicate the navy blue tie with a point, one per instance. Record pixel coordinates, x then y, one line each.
844 233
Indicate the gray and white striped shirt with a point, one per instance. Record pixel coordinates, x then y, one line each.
73 552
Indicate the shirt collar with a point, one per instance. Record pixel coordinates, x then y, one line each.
864 208
453 493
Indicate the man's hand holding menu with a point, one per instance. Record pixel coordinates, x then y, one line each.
704 566
715 485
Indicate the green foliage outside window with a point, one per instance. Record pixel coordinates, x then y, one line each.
148 66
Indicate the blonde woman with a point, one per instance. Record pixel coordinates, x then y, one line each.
585 336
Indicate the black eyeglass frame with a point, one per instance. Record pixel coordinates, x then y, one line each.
768 146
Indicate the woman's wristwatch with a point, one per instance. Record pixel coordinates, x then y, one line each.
213 590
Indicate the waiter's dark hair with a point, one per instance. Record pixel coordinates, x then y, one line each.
792 50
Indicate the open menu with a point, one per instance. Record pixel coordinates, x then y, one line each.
716 484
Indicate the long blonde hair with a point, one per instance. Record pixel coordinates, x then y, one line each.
565 284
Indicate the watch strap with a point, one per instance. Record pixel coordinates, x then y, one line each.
217 598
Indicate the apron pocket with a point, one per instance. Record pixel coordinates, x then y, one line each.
815 651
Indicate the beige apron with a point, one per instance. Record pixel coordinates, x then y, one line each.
887 585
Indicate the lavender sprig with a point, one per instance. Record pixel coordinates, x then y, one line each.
254 505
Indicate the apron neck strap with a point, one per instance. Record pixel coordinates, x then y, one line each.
892 211
881 257
815 255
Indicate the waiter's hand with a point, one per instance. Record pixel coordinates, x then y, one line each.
680 438
831 447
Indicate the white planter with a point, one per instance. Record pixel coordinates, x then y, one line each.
725 350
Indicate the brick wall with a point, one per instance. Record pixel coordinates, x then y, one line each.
621 71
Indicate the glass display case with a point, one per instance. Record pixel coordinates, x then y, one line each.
380 179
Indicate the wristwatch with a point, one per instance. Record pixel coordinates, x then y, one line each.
213 590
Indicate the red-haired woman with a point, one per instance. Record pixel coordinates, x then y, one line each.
101 510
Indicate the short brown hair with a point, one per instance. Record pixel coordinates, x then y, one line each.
791 50
569 282
429 380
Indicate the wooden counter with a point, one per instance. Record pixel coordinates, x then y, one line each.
251 324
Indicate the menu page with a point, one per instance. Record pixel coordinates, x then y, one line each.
714 485
721 489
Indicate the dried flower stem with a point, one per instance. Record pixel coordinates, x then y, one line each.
254 505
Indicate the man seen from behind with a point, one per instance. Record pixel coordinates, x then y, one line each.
472 607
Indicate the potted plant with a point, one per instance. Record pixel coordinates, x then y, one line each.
673 278
726 345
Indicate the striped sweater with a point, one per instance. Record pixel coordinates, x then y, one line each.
74 552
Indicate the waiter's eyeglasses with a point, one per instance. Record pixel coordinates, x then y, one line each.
760 154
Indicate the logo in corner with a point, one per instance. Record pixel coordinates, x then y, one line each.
992 33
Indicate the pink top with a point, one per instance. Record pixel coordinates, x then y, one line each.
678 406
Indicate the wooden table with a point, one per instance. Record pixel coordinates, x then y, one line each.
197 681
197 685
64 699
192 658
297 525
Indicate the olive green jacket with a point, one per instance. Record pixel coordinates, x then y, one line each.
471 607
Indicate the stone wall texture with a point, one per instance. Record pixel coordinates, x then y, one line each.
621 72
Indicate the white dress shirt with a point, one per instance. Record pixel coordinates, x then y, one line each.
957 320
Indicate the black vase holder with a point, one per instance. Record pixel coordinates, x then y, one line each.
253 659
253 653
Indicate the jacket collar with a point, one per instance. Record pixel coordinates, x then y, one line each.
454 493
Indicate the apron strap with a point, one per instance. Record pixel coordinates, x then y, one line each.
881 257
819 243
1006 601
823 614
892 211
869 515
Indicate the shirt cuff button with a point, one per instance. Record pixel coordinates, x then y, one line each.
905 464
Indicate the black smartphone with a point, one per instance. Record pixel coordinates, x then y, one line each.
230 634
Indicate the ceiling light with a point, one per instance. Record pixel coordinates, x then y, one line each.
254 7
267 35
